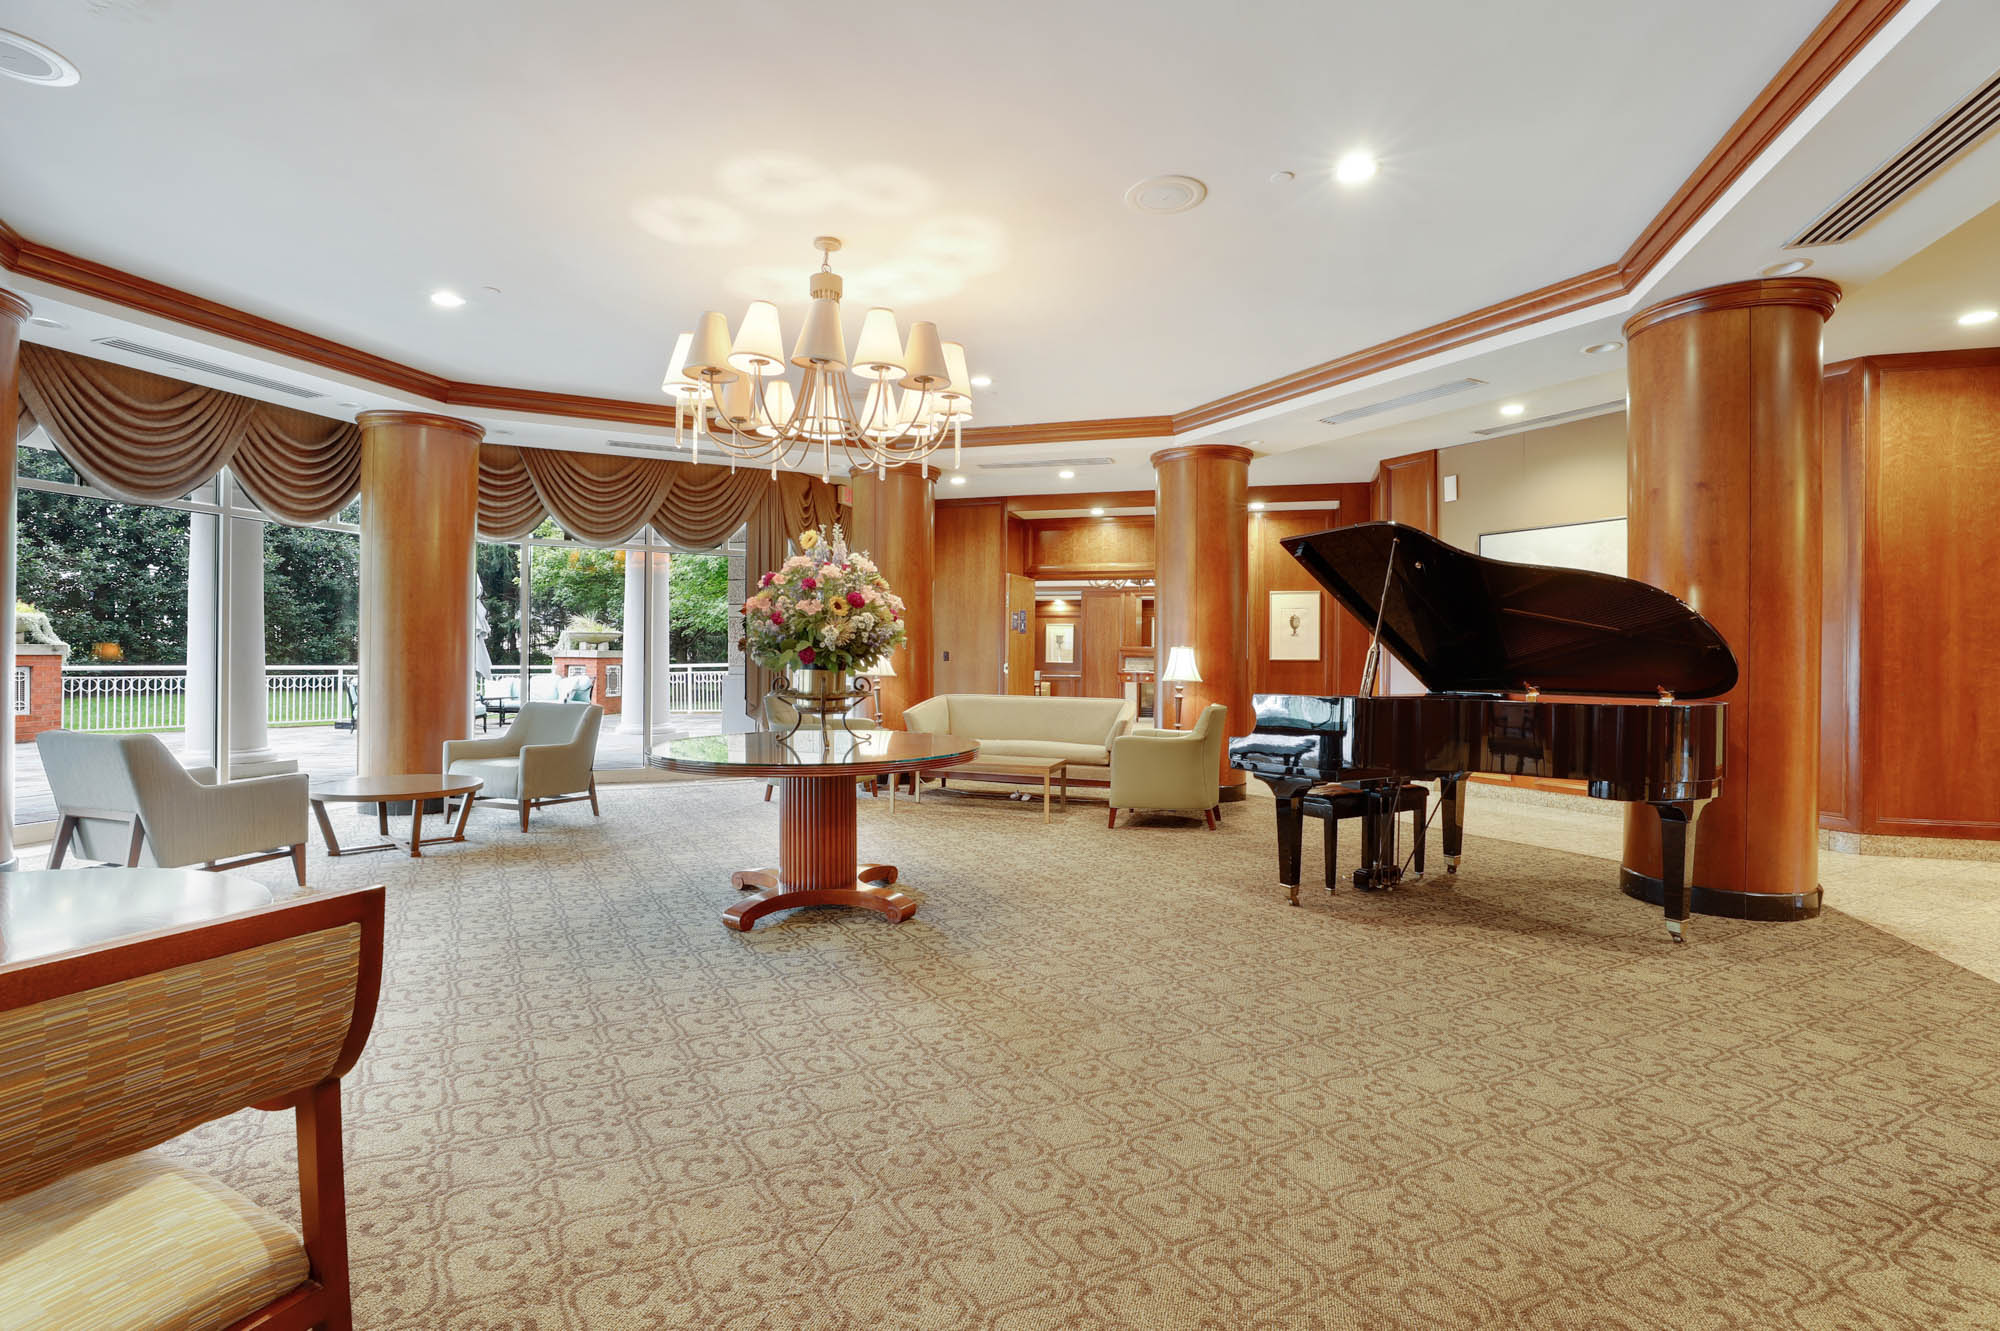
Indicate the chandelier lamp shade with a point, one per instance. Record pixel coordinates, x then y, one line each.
896 400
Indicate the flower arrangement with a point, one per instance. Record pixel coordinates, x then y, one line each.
826 608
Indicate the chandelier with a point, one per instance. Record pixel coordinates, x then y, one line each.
738 392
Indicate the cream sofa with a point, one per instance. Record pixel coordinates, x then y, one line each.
1023 726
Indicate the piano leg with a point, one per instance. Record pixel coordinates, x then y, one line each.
1379 869
1676 862
1291 821
1451 794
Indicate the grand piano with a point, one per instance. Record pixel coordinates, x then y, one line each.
1488 639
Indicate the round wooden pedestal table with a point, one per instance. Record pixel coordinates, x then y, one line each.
816 775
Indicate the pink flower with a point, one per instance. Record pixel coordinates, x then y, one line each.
856 599
768 579
810 583
805 656
777 619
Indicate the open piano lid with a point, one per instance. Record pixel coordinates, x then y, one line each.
1468 624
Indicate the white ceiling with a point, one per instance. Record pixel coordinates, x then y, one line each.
327 166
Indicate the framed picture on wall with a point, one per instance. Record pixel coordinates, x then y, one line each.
1060 644
1295 626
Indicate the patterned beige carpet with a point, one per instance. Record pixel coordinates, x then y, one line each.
1108 1079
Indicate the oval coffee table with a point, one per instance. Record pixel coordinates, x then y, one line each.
816 843
382 791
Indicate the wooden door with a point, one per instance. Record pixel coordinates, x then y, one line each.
1020 634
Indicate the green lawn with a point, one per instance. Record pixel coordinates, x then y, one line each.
297 707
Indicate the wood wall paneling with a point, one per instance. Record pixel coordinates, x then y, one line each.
893 522
1916 494
1085 547
970 615
1110 620
1047 613
1406 490
1019 675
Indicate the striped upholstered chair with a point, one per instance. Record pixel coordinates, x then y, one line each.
109 1051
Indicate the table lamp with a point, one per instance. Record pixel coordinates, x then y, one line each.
1180 672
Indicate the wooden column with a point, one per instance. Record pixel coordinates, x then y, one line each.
1202 543
419 504
893 523
1724 507
12 311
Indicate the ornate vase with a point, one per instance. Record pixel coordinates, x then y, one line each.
820 698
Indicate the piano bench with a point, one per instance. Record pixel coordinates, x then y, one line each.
1330 804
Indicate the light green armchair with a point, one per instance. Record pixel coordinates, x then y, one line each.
1170 769
544 757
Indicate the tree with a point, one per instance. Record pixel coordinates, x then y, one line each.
569 581
312 585
698 616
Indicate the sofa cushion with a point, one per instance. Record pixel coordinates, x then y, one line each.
1095 755
140 1243
501 775
1011 716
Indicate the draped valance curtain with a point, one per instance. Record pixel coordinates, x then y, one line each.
148 438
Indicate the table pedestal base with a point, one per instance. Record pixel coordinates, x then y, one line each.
816 859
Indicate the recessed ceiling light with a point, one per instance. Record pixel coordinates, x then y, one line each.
956 479
1096 512
1354 167
1603 348
446 299
1512 408
1283 177
1065 475
42 321
28 60
982 381
1972 318
1787 268
350 404
1256 506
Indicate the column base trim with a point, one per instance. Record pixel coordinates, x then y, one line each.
1772 906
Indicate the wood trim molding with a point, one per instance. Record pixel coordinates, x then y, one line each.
419 420
1965 358
13 307
1838 38
1815 293
1220 452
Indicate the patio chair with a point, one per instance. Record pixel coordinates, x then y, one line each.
125 799
544 757
350 691
115 1050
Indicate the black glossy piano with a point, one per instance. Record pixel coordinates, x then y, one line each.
1489 639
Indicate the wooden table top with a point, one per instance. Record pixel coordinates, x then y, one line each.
807 753
397 786
46 911
1010 762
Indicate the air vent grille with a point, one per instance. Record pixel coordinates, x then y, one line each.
1581 413
1406 400
206 367
1896 179
648 445
1044 463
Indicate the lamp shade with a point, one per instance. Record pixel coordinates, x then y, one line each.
760 344
821 341
923 360
1180 667
737 403
879 353
881 414
677 384
957 396
777 408
882 669
709 358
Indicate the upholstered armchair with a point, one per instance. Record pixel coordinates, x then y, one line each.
115 1049
125 799
1170 769
544 757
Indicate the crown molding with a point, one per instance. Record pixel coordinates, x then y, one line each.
1815 293
1837 39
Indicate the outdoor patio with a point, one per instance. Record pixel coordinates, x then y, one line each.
325 754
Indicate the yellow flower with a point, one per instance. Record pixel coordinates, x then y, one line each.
838 605
808 540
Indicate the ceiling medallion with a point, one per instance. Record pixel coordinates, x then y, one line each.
737 392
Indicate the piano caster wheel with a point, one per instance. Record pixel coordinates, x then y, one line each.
1293 890
1451 864
1677 930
